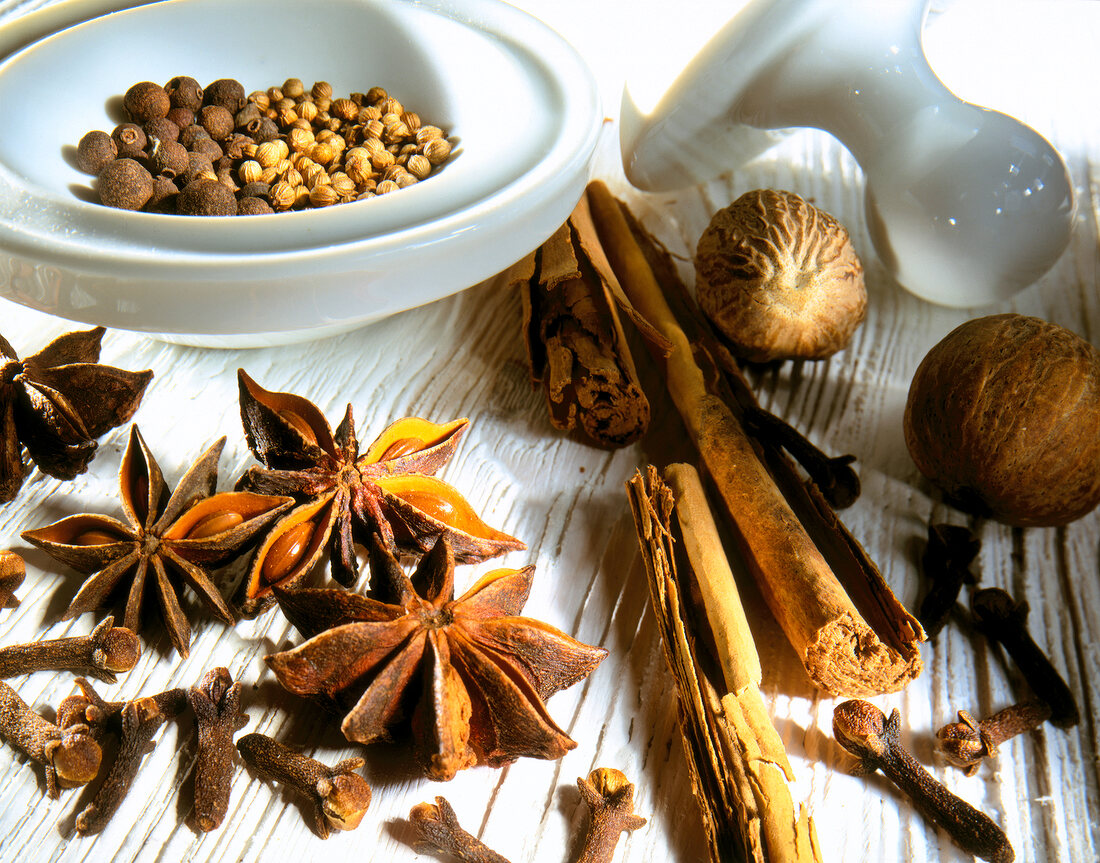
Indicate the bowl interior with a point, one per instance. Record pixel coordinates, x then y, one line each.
490 97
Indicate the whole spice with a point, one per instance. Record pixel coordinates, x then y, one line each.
55 403
966 742
834 476
71 756
478 672
184 92
1003 415
576 344
867 733
146 101
779 278
793 542
87 708
12 572
129 140
340 794
738 764
206 197
946 563
1005 620
437 827
140 720
95 151
346 495
610 800
108 650
226 93
183 535
125 184
216 702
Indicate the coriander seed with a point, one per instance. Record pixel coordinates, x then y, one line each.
300 139
184 92
321 90
250 171
125 184
345 109
95 151
293 87
386 186
269 175
419 166
427 133
307 110
375 95
260 99
437 150
323 195
268 154
282 196
412 121
146 101
342 184
130 140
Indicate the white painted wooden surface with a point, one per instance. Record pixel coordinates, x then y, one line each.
463 356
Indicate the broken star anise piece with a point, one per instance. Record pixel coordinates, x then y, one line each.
473 672
165 538
346 496
56 403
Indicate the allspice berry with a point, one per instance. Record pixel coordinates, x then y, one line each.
248 206
94 151
1003 416
168 158
209 148
125 184
217 121
182 117
226 93
779 278
163 199
129 140
190 134
206 198
162 129
146 101
184 92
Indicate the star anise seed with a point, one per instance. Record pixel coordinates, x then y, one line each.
55 404
346 496
166 538
474 672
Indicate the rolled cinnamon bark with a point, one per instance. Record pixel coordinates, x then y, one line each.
840 650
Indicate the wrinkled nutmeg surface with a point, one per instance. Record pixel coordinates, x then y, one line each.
779 278
1003 416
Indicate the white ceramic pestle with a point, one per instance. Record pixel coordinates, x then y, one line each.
965 206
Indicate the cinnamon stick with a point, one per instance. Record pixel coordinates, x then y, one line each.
575 340
846 650
739 767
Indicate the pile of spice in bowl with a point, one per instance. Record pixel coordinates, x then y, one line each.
216 152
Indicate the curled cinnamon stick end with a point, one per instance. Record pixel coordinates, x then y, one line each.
575 340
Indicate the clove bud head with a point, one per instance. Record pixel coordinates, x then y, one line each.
76 758
344 799
120 651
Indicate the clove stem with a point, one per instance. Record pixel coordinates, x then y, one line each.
107 650
437 825
216 702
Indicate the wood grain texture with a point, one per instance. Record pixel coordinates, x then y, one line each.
464 356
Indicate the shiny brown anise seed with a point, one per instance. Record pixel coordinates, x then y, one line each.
215 523
401 447
95 537
285 553
299 425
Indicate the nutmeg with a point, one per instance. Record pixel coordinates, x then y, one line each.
779 278
1003 416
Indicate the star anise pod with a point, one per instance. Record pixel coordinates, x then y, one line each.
473 672
56 403
166 538
347 496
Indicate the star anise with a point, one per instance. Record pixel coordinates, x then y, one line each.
346 496
56 403
473 672
165 538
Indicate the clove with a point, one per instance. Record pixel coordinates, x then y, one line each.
71 756
140 720
437 825
834 476
341 796
866 732
946 563
86 707
12 572
1005 620
107 650
216 701
966 742
610 799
